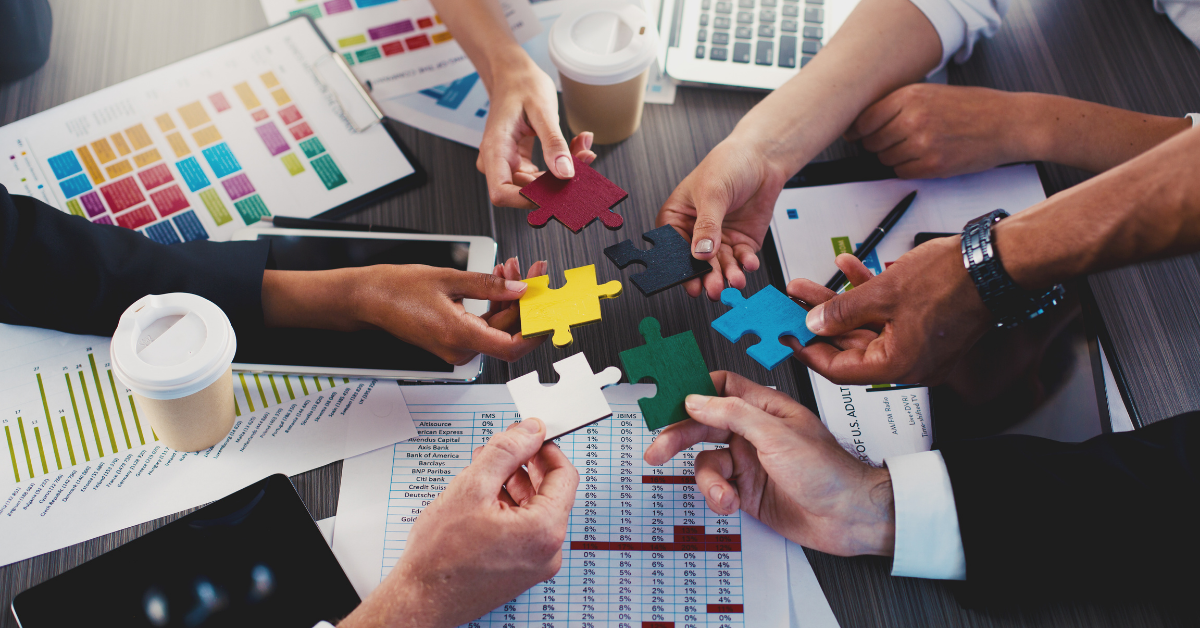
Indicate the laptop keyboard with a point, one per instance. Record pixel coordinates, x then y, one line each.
763 32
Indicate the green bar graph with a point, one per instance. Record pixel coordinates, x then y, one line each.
246 391
67 437
237 411
304 386
25 445
287 382
261 394
120 414
49 422
136 422
317 381
331 384
91 415
274 389
103 406
37 434
345 380
12 452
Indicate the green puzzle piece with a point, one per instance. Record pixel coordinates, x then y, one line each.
675 365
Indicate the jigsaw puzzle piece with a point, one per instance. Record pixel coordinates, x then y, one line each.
575 202
575 401
544 310
669 263
768 314
675 365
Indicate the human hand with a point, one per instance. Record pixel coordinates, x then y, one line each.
784 468
524 107
422 305
910 324
496 530
927 130
724 208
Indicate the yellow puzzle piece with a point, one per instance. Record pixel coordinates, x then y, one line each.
544 310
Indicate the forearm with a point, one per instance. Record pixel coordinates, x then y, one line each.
479 26
1087 135
326 299
883 45
1145 209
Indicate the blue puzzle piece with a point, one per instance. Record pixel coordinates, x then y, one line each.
768 314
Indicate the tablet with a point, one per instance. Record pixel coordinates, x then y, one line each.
361 353
254 558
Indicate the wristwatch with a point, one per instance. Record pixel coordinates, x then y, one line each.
1009 303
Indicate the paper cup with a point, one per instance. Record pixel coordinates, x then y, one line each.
603 52
174 352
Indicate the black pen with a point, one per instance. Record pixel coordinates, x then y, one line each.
287 222
875 238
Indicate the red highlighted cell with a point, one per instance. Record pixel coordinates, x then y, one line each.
425 22
420 41
169 200
668 479
219 102
155 176
136 218
290 114
259 115
392 48
122 194
725 608
658 624
301 131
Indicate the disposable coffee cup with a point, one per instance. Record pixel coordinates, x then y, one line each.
603 52
175 352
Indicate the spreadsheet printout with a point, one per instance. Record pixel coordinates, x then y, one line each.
642 548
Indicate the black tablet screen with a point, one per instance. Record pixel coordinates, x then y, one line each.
362 349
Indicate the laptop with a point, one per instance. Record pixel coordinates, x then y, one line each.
747 43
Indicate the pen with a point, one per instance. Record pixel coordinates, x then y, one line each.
875 238
287 222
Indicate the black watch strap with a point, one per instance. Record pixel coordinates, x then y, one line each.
1009 303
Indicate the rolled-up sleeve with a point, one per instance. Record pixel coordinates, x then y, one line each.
960 23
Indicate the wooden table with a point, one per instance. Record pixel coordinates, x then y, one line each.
1113 51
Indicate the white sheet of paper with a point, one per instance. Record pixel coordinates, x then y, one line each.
458 110
79 462
396 47
811 224
620 500
203 147
326 527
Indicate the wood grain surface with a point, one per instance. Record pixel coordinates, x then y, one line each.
1113 51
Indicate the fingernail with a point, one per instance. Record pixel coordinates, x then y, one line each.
704 246
695 402
530 425
588 138
717 493
816 319
515 286
565 167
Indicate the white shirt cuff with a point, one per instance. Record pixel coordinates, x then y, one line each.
324 624
1195 118
928 542
960 23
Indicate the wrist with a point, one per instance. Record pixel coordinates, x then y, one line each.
877 534
1034 136
503 64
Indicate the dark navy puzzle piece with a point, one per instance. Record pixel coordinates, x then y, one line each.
768 314
574 202
668 263
677 368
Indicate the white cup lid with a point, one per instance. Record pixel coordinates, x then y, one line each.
603 43
169 346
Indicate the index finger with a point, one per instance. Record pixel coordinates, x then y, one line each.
854 366
874 118
559 481
680 436
501 190
480 337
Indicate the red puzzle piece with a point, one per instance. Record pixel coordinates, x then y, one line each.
575 202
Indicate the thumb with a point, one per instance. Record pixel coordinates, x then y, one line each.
484 287
555 149
505 453
847 311
706 232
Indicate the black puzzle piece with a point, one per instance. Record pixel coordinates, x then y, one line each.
669 263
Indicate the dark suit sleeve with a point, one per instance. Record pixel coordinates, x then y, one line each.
63 272
1116 513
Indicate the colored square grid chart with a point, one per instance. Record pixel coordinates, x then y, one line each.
219 102
312 147
238 186
290 114
75 186
292 163
215 206
74 208
221 160
136 218
103 220
92 204
251 208
162 232
156 176
65 165
189 226
270 135
301 131
193 175
168 200
330 174
122 194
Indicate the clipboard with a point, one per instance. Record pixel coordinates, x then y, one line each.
868 168
271 124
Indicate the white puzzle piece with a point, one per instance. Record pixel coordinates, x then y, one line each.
575 401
